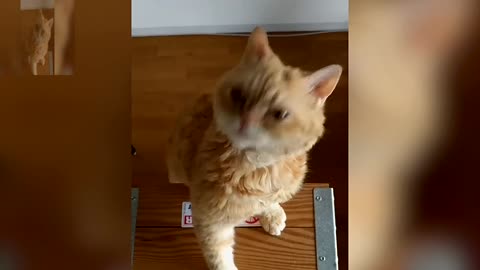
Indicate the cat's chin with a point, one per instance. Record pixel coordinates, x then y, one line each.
243 144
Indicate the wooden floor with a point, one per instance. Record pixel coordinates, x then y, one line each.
160 243
166 71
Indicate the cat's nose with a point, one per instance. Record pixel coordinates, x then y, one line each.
247 120
244 123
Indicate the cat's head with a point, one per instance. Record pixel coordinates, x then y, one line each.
43 26
265 105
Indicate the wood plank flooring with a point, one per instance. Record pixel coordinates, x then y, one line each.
160 242
166 248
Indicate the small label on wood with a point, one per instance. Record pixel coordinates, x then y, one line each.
187 221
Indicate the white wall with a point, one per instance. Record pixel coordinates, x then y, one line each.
165 17
36 4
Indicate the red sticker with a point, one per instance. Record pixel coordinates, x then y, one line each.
251 220
188 219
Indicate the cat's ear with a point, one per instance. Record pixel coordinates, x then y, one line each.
40 13
257 47
50 23
322 82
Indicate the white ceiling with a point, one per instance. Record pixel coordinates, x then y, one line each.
164 17
36 4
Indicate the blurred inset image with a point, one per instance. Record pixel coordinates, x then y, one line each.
47 37
37 35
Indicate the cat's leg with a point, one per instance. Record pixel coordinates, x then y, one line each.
217 245
273 219
33 66
42 61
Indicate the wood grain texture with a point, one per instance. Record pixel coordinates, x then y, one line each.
162 207
166 248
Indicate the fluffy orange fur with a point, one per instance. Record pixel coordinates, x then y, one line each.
38 45
242 150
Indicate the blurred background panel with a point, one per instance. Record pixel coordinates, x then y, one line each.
412 135
65 164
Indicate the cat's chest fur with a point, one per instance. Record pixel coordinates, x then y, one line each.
236 172
227 180
39 46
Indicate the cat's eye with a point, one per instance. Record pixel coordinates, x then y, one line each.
237 96
280 114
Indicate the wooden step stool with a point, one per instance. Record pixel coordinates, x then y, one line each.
161 242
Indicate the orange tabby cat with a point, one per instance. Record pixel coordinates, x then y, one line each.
38 45
243 150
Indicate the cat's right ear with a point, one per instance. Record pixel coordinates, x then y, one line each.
50 23
257 47
322 82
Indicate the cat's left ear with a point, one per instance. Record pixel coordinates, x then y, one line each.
322 82
257 47
50 23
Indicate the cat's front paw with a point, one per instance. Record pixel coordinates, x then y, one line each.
225 267
229 268
273 221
